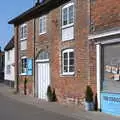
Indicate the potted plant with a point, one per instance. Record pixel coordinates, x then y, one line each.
89 105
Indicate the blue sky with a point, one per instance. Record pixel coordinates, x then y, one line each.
8 10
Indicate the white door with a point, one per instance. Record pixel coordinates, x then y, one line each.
43 79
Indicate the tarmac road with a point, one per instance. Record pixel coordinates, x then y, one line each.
14 110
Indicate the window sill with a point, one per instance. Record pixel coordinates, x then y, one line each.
68 74
23 74
42 33
22 39
67 26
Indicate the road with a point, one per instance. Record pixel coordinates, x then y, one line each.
13 110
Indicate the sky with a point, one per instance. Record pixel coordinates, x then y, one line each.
8 10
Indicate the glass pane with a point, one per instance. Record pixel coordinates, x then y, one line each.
71 16
71 69
65 16
71 61
65 62
65 68
40 25
71 54
65 55
43 55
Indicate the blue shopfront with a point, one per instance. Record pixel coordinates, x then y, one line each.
110 78
108 71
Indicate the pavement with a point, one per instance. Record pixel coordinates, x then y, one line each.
62 109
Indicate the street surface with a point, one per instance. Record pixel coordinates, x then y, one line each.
13 110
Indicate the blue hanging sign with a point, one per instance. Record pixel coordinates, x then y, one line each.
29 66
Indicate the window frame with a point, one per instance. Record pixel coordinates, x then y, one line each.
23 73
44 24
68 61
22 32
67 6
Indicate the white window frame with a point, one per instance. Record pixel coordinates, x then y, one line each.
23 28
43 21
23 73
67 7
67 51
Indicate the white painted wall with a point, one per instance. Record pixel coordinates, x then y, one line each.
10 76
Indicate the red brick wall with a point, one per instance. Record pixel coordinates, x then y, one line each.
72 86
28 53
65 86
105 14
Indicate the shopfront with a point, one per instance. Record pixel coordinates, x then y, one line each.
110 78
108 72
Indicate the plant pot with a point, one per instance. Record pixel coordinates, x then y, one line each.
89 106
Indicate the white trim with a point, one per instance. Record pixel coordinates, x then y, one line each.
67 6
44 60
68 73
23 57
66 51
45 24
105 34
22 26
98 73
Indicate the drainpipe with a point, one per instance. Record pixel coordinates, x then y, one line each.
17 62
34 27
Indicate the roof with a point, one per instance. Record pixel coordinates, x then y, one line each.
10 45
38 9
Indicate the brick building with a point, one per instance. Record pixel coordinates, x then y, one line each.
54 37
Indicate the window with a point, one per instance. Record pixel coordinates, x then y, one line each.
68 62
42 25
68 14
68 22
23 65
23 37
8 55
43 55
23 32
8 69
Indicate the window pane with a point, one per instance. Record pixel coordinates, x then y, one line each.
24 65
71 54
65 68
71 16
65 61
71 69
65 55
40 25
71 61
65 16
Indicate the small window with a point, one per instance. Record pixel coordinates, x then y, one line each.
23 32
24 65
68 22
68 62
68 14
8 71
42 25
8 55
